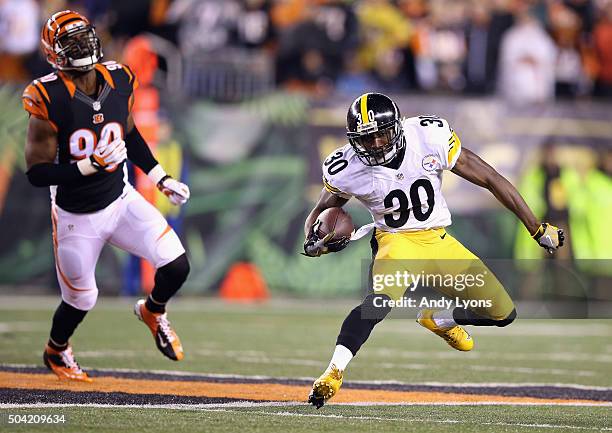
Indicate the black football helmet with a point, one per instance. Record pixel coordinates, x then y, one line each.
374 128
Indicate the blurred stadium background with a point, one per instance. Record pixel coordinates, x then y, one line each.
243 99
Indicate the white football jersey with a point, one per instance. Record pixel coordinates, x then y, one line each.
409 198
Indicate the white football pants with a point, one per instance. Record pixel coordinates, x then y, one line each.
130 223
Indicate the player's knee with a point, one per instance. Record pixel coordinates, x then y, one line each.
177 270
508 320
73 266
84 300
375 307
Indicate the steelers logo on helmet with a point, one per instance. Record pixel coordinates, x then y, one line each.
69 42
374 129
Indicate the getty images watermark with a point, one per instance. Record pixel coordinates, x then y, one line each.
539 288
408 282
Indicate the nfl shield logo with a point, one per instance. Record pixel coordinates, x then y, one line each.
96 106
98 118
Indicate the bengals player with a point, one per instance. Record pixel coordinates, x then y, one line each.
394 167
80 133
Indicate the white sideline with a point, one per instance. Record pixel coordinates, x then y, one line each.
178 373
436 421
252 404
232 408
250 357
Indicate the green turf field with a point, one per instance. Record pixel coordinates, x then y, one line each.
294 339
330 419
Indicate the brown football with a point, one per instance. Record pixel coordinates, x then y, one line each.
335 219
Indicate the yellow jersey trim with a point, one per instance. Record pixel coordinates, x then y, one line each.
330 188
454 146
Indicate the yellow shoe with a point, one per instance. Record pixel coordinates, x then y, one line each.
457 337
325 387
63 364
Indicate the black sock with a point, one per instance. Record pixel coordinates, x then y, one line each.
154 306
168 281
359 323
65 321
464 316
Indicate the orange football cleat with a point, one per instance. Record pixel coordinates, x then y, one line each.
166 339
63 364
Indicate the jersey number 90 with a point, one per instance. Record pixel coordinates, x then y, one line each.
84 141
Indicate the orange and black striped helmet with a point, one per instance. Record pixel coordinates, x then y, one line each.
69 42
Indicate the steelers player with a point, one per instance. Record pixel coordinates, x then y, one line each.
394 167
80 133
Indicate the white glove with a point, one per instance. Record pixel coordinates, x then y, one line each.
109 155
549 237
177 192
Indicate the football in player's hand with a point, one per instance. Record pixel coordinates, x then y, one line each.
335 219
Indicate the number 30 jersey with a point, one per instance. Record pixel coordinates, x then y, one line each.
407 196
80 121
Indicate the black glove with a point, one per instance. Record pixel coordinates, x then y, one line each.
315 246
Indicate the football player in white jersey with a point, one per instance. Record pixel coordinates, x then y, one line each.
394 167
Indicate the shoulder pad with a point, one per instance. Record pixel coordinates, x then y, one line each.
439 138
118 75
36 100
343 173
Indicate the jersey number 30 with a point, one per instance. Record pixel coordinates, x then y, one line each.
400 215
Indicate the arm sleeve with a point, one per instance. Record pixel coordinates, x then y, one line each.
47 173
138 151
336 174
332 189
445 143
454 150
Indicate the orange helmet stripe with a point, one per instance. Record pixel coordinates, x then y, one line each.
55 24
67 19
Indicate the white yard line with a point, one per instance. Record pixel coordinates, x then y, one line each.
234 408
250 404
22 326
425 420
253 357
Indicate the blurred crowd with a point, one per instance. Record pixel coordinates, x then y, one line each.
576 197
527 50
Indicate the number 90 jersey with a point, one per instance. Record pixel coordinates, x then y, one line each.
407 196
80 122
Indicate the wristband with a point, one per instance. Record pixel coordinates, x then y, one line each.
156 174
86 167
539 232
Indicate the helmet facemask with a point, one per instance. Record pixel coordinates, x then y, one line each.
377 146
78 49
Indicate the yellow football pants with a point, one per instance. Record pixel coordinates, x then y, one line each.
444 264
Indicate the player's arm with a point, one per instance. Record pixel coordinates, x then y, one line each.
326 200
472 168
41 151
140 154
